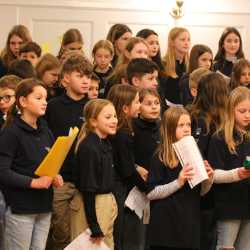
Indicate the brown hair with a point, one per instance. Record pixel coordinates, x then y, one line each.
47 62
122 95
91 111
9 81
168 127
149 91
196 51
238 67
196 75
31 47
77 63
20 31
24 88
70 36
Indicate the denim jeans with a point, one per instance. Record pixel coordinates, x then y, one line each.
233 234
26 231
2 212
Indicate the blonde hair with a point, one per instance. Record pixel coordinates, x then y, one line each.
237 96
91 111
169 60
168 127
103 44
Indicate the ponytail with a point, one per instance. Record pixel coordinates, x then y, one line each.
11 114
84 131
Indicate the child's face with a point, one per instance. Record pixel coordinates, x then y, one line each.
150 107
77 84
193 92
148 80
133 110
181 43
205 60
245 76
242 114
153 45
50 77
15 43
106 122
231 44
102 58
7 98
140 50
31 56
93 89
75 46
121 42
183 126
34 105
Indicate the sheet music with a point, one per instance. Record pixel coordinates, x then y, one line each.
188 153
137 201
83 242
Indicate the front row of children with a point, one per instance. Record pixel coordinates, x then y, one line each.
108 165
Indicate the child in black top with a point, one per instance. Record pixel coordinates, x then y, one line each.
174 216
229 50
126 101
147 127
63 112
95 173
228 149
103 52
24 142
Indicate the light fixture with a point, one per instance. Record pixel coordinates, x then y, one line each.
177 11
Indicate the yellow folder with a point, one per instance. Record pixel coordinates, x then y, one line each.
51 164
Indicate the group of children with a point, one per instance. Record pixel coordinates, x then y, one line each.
129 106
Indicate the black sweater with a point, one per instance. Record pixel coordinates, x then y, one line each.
146 140
22 148
95 175
61 114
232 200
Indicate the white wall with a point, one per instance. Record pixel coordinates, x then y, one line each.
49 19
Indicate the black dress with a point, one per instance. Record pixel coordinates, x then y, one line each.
224 66
175 220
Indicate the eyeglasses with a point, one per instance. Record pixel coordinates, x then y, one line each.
6 98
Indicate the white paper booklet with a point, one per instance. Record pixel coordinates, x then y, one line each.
189 153
83 242
137 201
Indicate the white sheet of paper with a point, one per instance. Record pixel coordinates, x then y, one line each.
189 153
137 201
82 242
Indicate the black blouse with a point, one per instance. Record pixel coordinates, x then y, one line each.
175 220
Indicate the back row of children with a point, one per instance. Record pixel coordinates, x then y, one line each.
89 193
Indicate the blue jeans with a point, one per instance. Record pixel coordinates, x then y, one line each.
2 212
26 231
233 234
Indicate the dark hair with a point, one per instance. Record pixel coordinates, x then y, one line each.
145 33
31 47
116 31
196 51
77 63
122 95
24 88
138 67
95 77
220 55
211 100
9 81
22 68
238 67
